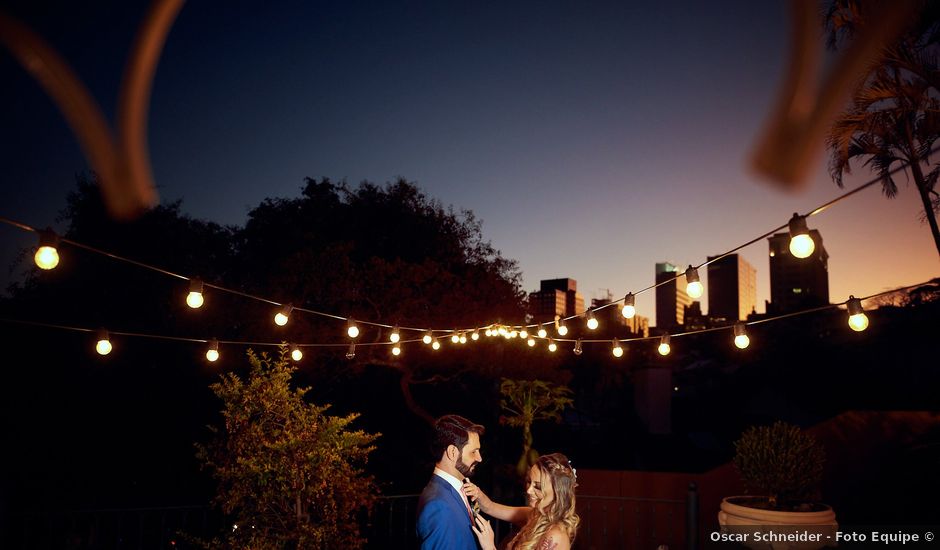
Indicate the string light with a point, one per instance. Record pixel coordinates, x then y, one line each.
295 353
513 333
47 254
552 346
523 333
664 347
281 318
694 287
489 332
435 345
629 306
592 323
103 345
454 338
858 321
801 244
577 347
428 337
617 350
741 339
212 354
562 329
194 299
530 342
396 350
351 352
476 335
395 336
351 329
463 338
542 332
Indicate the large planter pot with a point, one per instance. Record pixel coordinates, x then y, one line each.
776 530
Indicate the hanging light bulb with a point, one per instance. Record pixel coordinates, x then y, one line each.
577 347
395 336
542 332
858 321
351 329
283 316
592 323
47 254
801 244
427 338
396 350
513 333
562 329
552 346
617 350
523 333
103 346
295 353
530 342
454 338
194 299
476 335
694 287
212 354
502 331
351 352
664 347
629 306
435 344
741 339
463 338
488 332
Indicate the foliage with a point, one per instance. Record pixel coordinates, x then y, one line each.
894 116
526 401
780 461
289 475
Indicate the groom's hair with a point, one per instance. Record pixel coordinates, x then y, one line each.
454 430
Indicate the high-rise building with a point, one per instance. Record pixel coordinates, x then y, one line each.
611 317
797 283
556 297
671 297
732 289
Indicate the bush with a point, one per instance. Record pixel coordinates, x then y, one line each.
780 461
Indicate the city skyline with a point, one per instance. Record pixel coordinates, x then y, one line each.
590 141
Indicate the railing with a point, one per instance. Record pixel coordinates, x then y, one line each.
606 523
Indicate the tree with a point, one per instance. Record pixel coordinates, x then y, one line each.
289 474
526 401
894 116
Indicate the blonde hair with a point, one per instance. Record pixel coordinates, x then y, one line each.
561 511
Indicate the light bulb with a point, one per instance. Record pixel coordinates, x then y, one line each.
694 287
103 346
664 347
552 346
435 344
629 306
858 321
351 352
801 244
475 336
463 338
454 338
352 330
47 256
592 323
502 331
296 354
523 333
212 354
531 342
741 339
283 316
513 333
395 337
617 350
542 332
488 332
194 299
396 351
577 347
427 338
562 329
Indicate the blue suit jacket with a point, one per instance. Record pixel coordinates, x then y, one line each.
443 520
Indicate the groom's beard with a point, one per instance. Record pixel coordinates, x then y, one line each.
462 467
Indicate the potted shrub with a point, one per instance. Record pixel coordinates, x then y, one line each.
782 466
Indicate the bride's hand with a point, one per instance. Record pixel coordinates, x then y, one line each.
484 533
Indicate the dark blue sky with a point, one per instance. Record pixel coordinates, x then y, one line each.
592 138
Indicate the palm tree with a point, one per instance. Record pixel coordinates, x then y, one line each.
894 116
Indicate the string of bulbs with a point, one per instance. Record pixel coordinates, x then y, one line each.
801 246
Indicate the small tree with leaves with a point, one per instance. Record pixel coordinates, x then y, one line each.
289 475
780 461
524 402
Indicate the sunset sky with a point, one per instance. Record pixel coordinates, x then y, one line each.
593 139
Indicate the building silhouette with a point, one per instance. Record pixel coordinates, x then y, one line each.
671 297
732 289
555 297
612 318
796 283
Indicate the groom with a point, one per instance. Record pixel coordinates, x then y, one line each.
444 514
